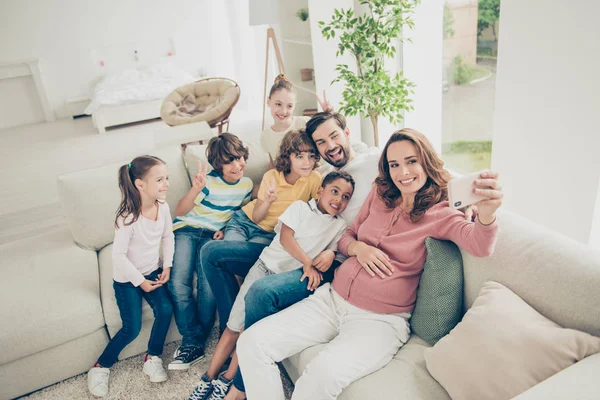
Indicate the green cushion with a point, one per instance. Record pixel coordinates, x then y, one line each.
440 293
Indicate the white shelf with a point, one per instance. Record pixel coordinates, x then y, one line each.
302 41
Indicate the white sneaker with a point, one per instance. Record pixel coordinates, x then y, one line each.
153 367
98 381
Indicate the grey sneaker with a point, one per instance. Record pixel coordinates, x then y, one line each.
185 357
220 388
203 389
97 380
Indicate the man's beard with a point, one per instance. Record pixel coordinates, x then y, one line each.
338 163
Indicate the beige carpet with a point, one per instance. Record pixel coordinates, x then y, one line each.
128 382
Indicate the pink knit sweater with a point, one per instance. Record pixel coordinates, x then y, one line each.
404 243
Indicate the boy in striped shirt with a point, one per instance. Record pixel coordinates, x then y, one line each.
201 216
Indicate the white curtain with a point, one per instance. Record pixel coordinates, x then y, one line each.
217 39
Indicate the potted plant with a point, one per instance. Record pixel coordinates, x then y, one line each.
370 38
302 14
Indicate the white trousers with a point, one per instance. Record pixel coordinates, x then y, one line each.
237 316
359 342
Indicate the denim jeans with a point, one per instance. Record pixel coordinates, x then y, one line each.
240 228
129 300
221 261
274 293
194 319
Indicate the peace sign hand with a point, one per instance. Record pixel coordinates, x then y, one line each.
199 181
270 190
325 106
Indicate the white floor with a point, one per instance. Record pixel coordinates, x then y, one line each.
33 156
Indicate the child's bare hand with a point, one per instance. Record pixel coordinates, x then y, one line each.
218 235
148 286
323 261
163 277
199 181
313 276
325 105
270 190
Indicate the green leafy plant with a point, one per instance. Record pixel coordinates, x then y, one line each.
487 15
448 22
371 38
302 14
461 73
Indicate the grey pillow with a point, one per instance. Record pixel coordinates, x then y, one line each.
440 293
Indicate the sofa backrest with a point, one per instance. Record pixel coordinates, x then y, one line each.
90 198
556 275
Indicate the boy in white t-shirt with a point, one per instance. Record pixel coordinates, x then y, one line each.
305 231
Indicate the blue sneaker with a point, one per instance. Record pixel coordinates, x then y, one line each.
220 388
203 389
185 357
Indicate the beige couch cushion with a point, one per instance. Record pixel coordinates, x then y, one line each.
579 381
557 276
91 197
503 347
405 377
50 287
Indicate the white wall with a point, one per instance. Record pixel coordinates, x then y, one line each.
546 140
324 58
595 231
71 37
422 64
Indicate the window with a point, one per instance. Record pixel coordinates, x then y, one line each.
469 66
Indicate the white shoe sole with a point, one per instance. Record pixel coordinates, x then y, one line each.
156 379
182 367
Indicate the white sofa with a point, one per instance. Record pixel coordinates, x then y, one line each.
59 306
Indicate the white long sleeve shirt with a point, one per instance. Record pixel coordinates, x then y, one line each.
136 247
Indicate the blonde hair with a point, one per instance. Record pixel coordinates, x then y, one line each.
282 82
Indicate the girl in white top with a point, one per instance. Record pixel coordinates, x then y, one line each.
281 102
143 224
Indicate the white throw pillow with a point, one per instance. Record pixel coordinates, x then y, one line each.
503 347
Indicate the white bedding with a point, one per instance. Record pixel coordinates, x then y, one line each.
138 85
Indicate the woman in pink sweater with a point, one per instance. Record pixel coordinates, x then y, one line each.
363 316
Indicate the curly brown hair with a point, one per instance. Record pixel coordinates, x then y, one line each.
435 188
294 142
223 149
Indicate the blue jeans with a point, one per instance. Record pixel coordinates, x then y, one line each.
129 300
274 293
194 319
240 228
235 255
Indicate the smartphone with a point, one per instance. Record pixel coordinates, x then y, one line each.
460 191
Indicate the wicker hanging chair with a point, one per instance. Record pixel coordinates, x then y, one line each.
210 100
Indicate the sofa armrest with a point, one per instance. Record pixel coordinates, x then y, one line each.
578 382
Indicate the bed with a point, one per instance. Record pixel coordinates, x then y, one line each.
134 95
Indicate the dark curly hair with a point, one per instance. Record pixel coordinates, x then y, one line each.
435 188
294 142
